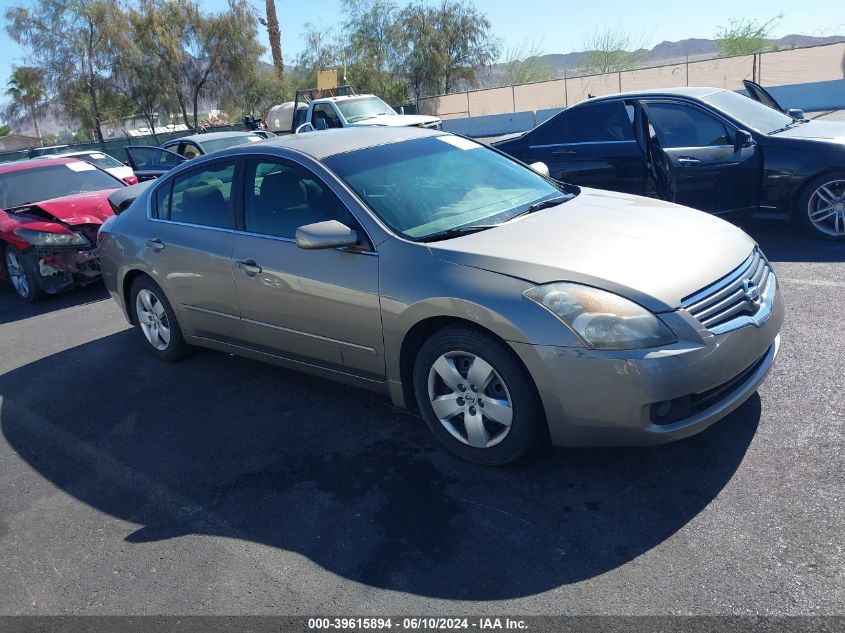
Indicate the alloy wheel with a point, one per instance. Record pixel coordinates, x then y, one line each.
17 274
470 399
152 319
826 208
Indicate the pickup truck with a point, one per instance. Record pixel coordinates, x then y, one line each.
340 107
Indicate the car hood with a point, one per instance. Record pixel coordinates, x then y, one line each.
654 252
83 208
399 120
817 130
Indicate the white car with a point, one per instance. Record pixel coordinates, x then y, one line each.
103 161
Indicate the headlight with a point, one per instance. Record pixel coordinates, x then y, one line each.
44 238
602 319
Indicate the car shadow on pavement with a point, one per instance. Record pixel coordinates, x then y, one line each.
782 242
226 446
13 309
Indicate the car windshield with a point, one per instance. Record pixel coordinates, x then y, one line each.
103 161
749 112
23 186
436 185
363 108
229 141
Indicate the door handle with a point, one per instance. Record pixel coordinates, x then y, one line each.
563 152
686 161
155 244
249 267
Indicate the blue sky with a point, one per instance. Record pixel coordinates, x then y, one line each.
559 27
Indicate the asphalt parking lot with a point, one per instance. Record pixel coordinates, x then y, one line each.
221 485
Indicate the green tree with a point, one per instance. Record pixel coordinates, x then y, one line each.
5 130
612 50
27 92
743 36
373 50
73 43
524 64
446 46
323 50
197 52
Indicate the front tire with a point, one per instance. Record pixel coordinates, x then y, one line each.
155 319
821 207
23 275
476 397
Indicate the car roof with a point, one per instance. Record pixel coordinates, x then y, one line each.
35 162
208 136
324 143
695 92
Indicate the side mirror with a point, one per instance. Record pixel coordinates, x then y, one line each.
795 113
328 234
743 139
541 168
320 124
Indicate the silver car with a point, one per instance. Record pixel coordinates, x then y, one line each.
509 308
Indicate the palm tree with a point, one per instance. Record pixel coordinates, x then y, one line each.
26 91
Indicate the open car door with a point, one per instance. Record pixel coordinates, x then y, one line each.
150 162
758 93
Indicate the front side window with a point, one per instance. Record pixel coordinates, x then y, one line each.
281 197
325 113
430 186
679 125
596 122
201 197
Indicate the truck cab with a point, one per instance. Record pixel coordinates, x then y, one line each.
340 107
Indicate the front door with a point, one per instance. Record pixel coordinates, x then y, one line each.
317 306
150 162
190 248
592 144
698 161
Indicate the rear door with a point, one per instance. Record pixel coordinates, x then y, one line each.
150 162
315 306
190 248
697 160
592 144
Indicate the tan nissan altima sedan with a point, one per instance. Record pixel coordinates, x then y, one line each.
509 308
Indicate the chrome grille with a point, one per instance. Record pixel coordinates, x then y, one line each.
736 299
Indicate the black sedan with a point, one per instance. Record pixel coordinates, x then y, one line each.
712 149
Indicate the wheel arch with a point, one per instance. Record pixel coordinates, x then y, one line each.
803 187
423 330
126 288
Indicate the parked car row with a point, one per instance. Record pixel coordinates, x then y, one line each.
508 306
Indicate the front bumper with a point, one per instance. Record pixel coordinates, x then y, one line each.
596 398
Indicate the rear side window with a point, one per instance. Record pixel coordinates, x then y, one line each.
202 197
598 122
679 125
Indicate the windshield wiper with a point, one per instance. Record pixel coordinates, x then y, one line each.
789 125
456 232
544 204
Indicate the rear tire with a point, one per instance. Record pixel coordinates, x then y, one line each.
23 275
821 207
488 411
156 321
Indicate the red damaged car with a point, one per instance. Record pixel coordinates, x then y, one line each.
50 212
